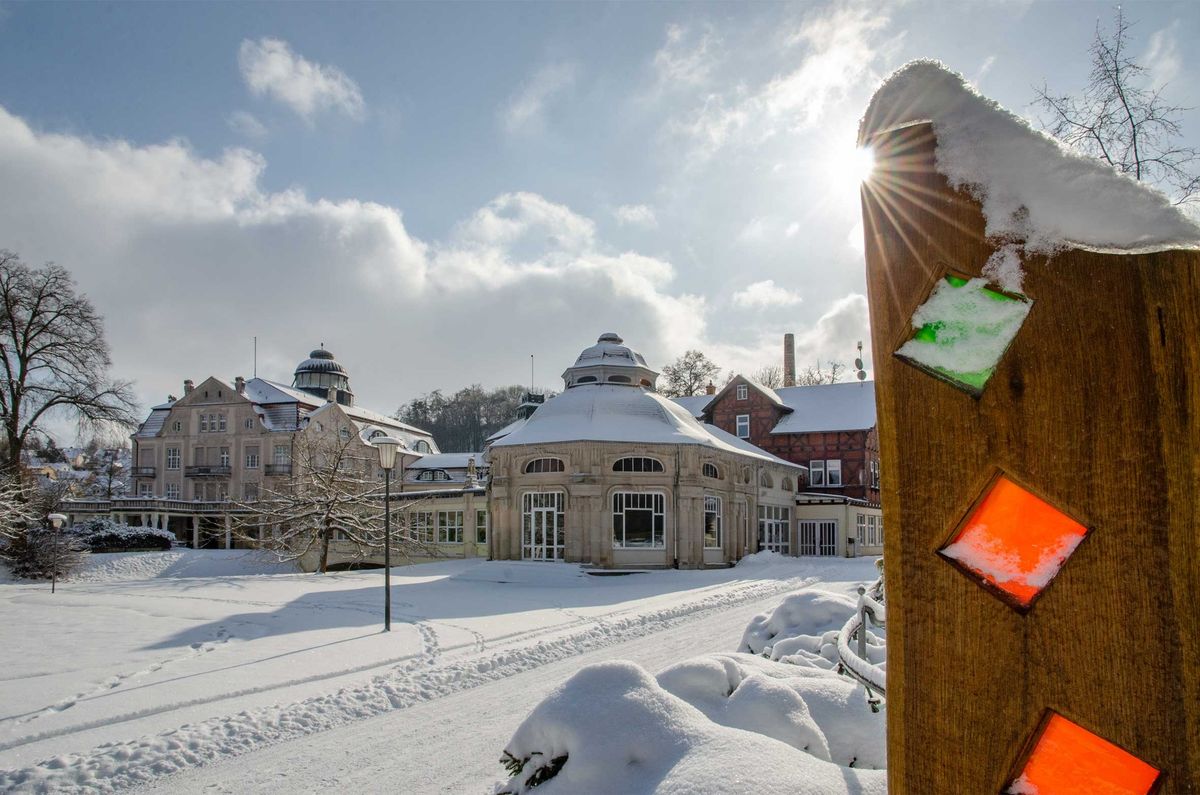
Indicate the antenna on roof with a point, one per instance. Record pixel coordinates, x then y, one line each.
256 357
858 364
531 373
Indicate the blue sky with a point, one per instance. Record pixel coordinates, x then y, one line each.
439 190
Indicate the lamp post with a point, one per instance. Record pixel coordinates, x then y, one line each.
386 445
56 521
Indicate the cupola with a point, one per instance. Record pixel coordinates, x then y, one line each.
610 362
321 372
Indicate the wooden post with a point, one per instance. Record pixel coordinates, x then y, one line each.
1095 408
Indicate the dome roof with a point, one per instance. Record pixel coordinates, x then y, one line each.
320 361
610 361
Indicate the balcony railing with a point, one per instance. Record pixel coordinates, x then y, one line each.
142 472
208 471
277 469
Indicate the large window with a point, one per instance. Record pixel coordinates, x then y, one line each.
172 491
282 454
743 426
860 524
637 464
539 465
172 458
827 473
481 527
639 520
712 523
420 526
775 528
450 527
833 472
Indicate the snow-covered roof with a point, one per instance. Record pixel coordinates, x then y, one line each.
828 407
507 429
609 413
694 403
746 446
1033 188
609 350
446 461
154 422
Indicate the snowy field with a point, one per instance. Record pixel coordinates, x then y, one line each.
218 671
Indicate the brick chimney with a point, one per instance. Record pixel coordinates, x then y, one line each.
711 389
188 386
239 384
789 359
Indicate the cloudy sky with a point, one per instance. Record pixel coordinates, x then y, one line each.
436 192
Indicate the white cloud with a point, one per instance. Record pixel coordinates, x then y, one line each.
841 47
687 57
245 124
765 294
792 229
525 110
636 215
1162 57
189 257
270 68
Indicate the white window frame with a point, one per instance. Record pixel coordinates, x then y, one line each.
833 472
816 474
145 489
742 426
421 526
450 527
712 522
203 423
173 458
653 501
817 537
223 456
546 508
177 426
252 459
779 519
172 491
860 525
221 423
248 424
282 454
742 392
481 526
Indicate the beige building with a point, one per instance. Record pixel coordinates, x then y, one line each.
612 474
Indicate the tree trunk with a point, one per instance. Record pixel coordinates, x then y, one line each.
324 564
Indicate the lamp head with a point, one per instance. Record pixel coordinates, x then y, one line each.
387 446
57 520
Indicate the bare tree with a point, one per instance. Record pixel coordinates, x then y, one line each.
688 375
770 376
331 494
1121 120
815 374
54 356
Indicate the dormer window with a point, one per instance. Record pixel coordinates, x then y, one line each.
433 474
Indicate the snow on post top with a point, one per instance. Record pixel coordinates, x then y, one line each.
1033 189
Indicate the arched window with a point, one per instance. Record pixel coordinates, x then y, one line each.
711 471
587 379
637 464
766 481
786 484
422 446
746 475
375 434
433 474
619 379
539 465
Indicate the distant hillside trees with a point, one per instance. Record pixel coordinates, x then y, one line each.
462 422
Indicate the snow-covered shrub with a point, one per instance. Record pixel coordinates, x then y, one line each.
612 727
104 535
803 630
38 552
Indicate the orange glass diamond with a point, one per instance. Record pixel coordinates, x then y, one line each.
1067 759
1014 541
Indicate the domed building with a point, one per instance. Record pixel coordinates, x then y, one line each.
321 372
613 474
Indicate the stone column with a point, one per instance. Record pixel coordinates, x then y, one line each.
195 532
228 531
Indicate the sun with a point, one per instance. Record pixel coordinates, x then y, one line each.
860 163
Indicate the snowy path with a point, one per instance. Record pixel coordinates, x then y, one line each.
118 684
451 744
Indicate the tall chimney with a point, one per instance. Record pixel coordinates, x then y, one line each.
239 384
711 389
188 386
789 359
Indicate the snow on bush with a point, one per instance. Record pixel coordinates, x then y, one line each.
1033 189
612 727
128 566
803 630
39 553
105 535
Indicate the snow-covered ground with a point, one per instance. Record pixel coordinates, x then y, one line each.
184 671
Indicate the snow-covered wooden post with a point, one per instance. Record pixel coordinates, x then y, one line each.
1035 321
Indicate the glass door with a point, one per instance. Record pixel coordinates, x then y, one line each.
542 533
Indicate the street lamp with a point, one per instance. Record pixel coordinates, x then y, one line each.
387 445
56 521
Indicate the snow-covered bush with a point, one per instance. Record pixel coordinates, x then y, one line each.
803 630
104 535
718 723
38 552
